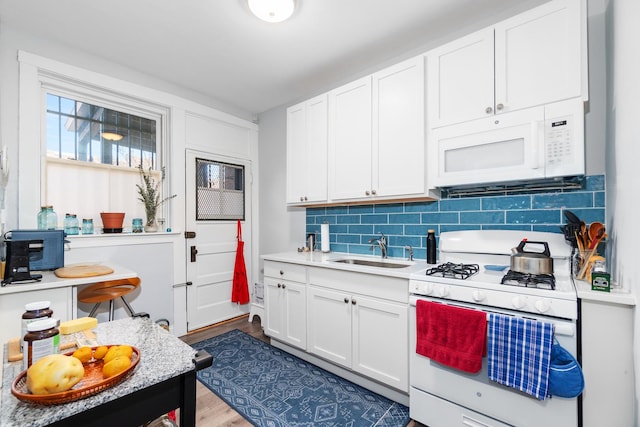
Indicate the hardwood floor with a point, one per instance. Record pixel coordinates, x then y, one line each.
211 410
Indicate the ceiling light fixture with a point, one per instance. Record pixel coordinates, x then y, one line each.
112 136
272 10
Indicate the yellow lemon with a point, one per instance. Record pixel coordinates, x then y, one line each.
100 352
83 354
118 350
115 366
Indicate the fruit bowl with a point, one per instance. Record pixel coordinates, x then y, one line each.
91 383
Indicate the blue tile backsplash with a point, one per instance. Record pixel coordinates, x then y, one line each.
351 227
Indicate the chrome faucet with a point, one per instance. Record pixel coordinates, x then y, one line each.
410 249
382 243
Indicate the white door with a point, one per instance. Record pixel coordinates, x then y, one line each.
215 200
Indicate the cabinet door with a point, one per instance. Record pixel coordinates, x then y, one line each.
307 151
539 56
316 160
294 314
350 141
460 80
398 132
381 341
296 152
329 325
273 308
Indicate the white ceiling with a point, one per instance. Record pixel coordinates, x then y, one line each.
218 49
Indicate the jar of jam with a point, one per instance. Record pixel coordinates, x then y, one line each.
42 339
35 311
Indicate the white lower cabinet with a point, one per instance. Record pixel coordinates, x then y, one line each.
285 304
356 321
330 324
362 333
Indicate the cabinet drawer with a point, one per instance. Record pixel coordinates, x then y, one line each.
373 285
283 270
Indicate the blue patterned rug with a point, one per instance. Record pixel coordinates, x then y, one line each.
272 388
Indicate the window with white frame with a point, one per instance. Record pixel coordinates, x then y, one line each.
94 149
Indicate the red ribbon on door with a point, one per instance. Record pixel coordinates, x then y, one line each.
240 289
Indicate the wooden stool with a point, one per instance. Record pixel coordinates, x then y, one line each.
108 291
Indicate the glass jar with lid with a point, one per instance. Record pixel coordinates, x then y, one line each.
71 226
87 226
47 218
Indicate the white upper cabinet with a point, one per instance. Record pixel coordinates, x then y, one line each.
532 59
350 126
398 152
307 151
460 80
376 135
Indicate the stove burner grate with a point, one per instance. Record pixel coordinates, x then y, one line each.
454 271
542 281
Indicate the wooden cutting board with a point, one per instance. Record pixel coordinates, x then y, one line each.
88 270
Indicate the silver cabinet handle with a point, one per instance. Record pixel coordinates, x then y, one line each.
353 301
374 192
279 285
488 110
346 300
499 107
367 193
281 272
284 285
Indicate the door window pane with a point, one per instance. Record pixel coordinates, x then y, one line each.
220 191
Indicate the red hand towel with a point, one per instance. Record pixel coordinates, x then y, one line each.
453 336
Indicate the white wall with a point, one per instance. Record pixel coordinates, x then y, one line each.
281 228
623 152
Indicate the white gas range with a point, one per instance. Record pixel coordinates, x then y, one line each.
472 265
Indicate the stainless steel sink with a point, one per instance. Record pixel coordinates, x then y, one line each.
372 263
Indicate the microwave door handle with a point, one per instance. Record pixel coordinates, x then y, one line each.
537 142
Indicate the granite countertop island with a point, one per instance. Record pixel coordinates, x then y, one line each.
162 357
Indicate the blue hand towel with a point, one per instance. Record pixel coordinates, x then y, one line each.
519 353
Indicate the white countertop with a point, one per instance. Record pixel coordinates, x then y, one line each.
616 296
327 260
50 280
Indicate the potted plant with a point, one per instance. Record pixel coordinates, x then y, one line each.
149 193
112 222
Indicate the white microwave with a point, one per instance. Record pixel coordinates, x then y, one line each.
536 143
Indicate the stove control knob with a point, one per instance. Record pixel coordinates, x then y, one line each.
542 305
478 295
444 291
427 289
518 301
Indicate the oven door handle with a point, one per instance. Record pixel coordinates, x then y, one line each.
566 329
473 423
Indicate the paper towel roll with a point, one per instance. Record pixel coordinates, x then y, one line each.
324 238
